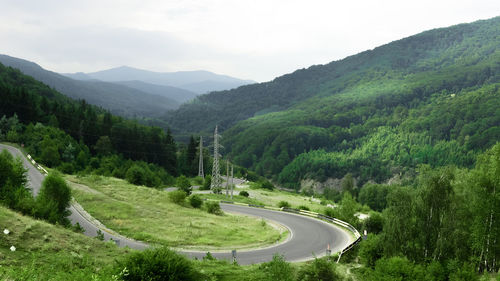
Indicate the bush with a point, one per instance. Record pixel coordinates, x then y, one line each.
178 196
135 175
183 184
319 269
266 185
66 168
371 250
54 199
213 207
283 204
397 268
157 264
206 183
278 269
195 201
374 223
244 193
198 180
302 207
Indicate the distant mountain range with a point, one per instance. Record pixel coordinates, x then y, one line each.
199 82
119 99
128 91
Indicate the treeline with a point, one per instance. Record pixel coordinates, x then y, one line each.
77 137
445 226
433 50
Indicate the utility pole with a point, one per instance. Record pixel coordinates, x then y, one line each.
216 185
227 177
232 184
201 173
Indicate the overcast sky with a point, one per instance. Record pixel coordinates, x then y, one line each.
256 39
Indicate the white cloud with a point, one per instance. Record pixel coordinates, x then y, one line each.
249 39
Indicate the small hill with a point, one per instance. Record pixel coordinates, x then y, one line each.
119 99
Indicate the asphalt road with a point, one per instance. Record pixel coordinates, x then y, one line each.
35 179
309 237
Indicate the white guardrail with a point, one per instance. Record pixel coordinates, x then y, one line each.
309 214
40 168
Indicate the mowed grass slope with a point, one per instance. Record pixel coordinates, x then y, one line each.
148 215
48 252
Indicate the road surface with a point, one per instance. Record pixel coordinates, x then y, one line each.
309 237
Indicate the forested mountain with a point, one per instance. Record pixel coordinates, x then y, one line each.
430 98
174 93
199 82
119 99
73 135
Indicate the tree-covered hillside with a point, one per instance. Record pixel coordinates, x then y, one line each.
75 136
118 99
430 98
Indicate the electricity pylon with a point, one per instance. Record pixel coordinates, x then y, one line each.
216 185
201 173
232 183
227 177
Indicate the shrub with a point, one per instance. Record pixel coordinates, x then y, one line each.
183 184
54 199
319 269
157 264
267 185
374 223
178 196
302 207
66 168
213 207
206 183
195 201
198 180
371 250
100 235
244 193
278 269
283 204
135 175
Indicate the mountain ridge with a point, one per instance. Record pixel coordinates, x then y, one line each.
119 99
179 79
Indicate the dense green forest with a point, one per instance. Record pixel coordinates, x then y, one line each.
444 227
429 98
74 136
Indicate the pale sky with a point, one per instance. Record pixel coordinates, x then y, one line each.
258 40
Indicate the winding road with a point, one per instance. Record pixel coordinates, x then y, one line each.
309 237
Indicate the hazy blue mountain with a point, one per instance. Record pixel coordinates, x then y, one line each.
199 82
177 94
119 99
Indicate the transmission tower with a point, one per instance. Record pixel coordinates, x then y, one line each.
232 183
227 177
200 165
216 185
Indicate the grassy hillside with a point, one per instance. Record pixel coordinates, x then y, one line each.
149 215
429 98
48 252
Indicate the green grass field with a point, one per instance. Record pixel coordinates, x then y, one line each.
48 252
148 215
270 198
